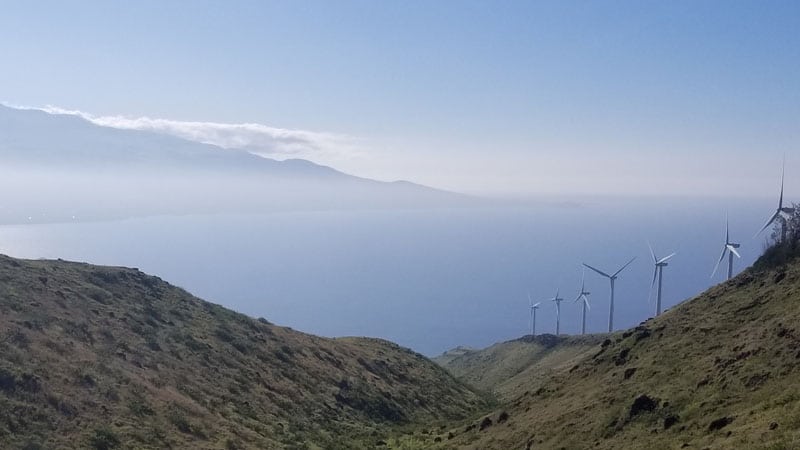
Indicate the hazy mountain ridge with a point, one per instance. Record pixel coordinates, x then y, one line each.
36 138
63 168
103 357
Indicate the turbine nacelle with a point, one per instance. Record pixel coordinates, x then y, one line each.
663 261
730 249
611 279
614 276
658 267
556 298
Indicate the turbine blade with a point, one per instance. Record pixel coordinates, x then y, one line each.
664 259
586 302
769 222
536 305
733 249
651 252
727 231
623 267
530 301
721 257
783 172
655 274
598 271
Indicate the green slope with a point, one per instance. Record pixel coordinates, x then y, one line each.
721 371
100 357
508 368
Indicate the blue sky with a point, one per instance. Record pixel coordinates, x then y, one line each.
514 98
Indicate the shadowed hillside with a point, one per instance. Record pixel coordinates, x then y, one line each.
717 372
100 357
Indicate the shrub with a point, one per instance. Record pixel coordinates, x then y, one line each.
104 439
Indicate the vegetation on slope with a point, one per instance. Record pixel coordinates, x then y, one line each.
717 372
506 368
98 357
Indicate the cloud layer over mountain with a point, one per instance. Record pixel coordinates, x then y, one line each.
264 140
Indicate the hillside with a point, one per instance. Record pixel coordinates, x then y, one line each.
717 372
509 367
102 357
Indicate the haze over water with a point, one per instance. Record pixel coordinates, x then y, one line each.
428 279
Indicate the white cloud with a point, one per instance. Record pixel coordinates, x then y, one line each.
271 142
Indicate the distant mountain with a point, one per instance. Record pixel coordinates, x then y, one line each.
62 168
101 357
37 138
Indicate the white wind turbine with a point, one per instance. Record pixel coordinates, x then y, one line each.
780 211
533 307
658 272
612 279
584 295
558 301
730 248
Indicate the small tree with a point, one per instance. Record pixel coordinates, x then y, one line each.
791 222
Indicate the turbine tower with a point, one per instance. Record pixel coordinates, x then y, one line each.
658 272
780 211
612 279
730 248
533 307
584 295
558 301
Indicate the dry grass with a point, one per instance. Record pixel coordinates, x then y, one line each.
509 368
99 357
717 372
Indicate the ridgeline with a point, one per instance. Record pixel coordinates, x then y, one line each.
719 371
103 357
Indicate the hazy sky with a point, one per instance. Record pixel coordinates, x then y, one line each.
680 97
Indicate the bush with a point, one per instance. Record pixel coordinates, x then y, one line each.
104 439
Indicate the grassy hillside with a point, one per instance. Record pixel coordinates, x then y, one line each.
508 368
100 357
718 372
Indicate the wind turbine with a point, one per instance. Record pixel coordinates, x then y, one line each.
781 209
730 248
658 271
612 279
584 295
558 301
533 308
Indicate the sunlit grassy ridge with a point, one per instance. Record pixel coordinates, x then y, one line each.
719 371
507 368
101 357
